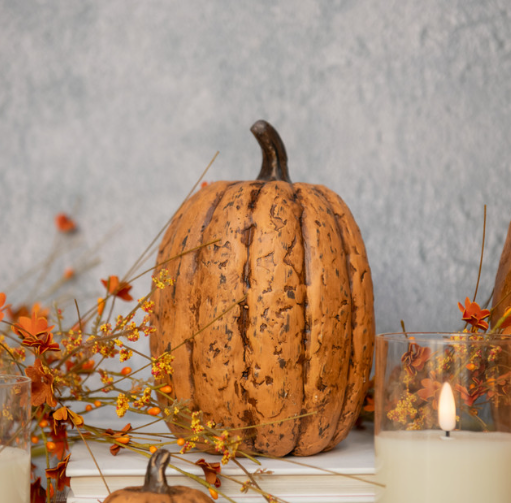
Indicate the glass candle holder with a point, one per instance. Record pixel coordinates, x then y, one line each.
15 412
437 442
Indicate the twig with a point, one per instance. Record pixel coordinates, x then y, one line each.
162 230
482 254
92 456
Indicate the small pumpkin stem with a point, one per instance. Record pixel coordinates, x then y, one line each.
274 165
155 481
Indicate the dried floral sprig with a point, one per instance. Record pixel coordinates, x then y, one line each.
70 365
61 357
478 371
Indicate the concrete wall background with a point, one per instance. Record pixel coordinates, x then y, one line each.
111 110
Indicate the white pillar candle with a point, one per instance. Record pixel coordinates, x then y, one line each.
14 475
427 467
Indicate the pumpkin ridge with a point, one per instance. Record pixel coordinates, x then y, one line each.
276 319
348 350
306 330
213 207
362 316
306 335
245 316
196 308
182 237
327 315
217 359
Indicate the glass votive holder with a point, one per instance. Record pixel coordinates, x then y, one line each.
15 413
437 443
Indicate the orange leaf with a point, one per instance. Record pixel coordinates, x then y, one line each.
117 288
59 474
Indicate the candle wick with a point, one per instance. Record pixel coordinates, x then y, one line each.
447 434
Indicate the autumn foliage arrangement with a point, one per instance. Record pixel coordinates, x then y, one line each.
70 366
475 360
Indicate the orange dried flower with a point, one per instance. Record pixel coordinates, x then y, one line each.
64 224
415 358
42 384
36 333
211 471
469 397
120 436
59 474
117 288
65 415
23 310
473 314
34 326
41 344
58 434
431 389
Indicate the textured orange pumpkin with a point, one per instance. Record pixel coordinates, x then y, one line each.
301 341
155 488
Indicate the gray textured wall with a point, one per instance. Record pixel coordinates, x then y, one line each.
111 109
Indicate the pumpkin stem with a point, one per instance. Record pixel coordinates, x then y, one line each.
155 481
274 153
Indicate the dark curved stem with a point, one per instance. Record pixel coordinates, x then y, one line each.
155 481
274 153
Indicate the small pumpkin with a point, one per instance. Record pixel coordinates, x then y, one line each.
302 339
156 489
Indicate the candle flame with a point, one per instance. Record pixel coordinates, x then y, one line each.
446 408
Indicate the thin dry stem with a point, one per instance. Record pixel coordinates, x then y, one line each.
482 255
148 251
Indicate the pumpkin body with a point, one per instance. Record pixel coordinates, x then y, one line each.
302 339
502 289
501 301
179 494
156 489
